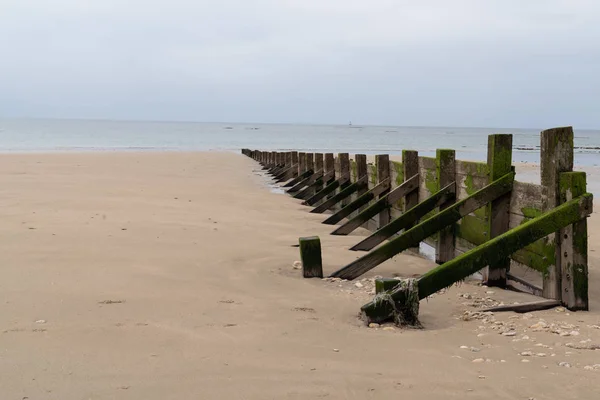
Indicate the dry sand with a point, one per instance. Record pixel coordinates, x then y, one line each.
169 276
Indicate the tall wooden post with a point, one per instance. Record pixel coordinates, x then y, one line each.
319 167
273 158
288 159
498 211
383 172
446 174
410 166
556 156
344 171
310 161
574 247
301 163
361 170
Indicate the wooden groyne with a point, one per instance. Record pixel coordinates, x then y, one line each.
475 215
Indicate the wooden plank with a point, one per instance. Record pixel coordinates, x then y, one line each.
427 163
383 175
343 194
525 307
475 169
298 179
381 204
406 220
359 202
556 156
425 229
574 247
446 171
530 288
504 245
526 198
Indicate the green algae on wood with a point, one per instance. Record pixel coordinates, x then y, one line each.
385 284
402 307
504 245
427 228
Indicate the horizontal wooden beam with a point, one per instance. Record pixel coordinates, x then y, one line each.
385 202
504 245
407 219
344 193
425 229
358 203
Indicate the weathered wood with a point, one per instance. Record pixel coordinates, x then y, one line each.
310 254
403 307
283 174
410 164
556 156
343 160
475 169
499 164
504 245
310 161
529 288
319 166
525 307
359 202
298 179
574 247
383 203
383 173
302 183
526 198
314 181
408 219
302 163
339 197
294 158
446 174
291 173
385 284
415 235
361 170
330 188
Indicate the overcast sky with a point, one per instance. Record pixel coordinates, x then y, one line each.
498 63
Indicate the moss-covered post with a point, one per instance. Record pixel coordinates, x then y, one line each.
556 157
301 163
499 161
383 173
310 254
410 165
446 174
574 247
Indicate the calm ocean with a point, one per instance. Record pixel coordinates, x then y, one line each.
89 135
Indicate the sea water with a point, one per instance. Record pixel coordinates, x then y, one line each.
39 135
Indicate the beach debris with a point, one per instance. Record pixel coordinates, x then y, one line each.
40 321
374 325
389 328
336 350
583 346
478 360
111 302
564 364
526 353
297 265
359 285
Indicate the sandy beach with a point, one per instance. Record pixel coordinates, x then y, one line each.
170 276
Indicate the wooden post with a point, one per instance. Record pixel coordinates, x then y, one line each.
410 165
361 170
301 163
446 174
329 163
499 161
319 167
310 253
294 157
310 161
556 156
344 168
574 247
383 174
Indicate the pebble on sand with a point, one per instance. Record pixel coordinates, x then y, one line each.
297 265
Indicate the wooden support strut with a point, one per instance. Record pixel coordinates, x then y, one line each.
470 262
406 220
309 173
331 186
356 204
415 235
298 179
383 203
343 194
314 180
